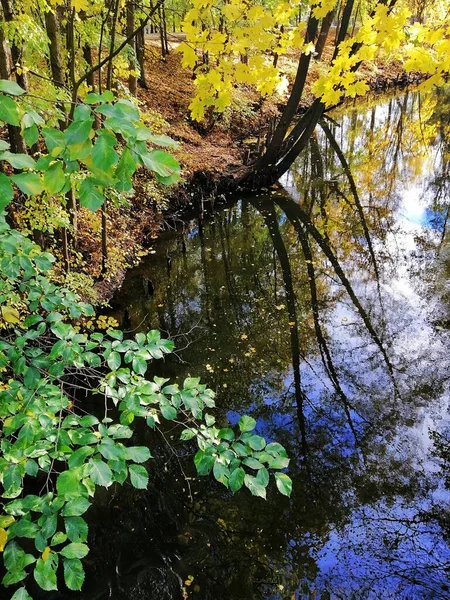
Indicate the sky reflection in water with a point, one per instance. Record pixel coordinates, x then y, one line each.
343 357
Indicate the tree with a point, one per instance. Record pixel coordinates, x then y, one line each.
386 30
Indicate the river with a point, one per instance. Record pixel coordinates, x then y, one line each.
321 307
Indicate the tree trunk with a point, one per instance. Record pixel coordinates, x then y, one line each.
323 35
164 27
87 54
291 107
140 54
161 33
51 26
132 79
109 72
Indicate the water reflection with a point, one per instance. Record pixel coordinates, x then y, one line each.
322 308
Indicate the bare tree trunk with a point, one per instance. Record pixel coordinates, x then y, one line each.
164 24
140 54
132 79
323 34
109 72
161 33
87 54
104 237
51 26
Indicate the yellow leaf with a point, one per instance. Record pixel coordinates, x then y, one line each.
80 5
10 315
46 553
3 539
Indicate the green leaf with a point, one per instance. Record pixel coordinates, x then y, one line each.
276 449
32 378
6 191
253 463
263 476
68 483
75 507
284 483
221 472
73 573
76 528
100 473
279 462
236 479
162 164
246 423
24 528
139 365
138 477
21 594
6 520
255 486
204 462
78 132
114 361
45 574
12 477
13 556
44 261
18 161
14 577
90 195
58 538
138 454
125 170
256 442
104 155
187 434
226 434
159 140
8 111
79 456
75 550
11 87
31 134
28 183
54 179
54 140
168 412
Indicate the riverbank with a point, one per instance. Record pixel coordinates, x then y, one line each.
211 155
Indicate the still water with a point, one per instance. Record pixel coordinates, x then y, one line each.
322 309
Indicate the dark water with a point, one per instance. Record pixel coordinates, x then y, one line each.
322 308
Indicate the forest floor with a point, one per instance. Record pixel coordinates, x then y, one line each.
206 153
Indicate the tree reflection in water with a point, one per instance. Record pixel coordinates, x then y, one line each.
320 309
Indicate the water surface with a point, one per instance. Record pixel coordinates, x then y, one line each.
321 308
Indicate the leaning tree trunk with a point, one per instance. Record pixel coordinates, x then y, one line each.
282 150
323 34
290 110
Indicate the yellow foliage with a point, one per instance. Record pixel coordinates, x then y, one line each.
3 539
